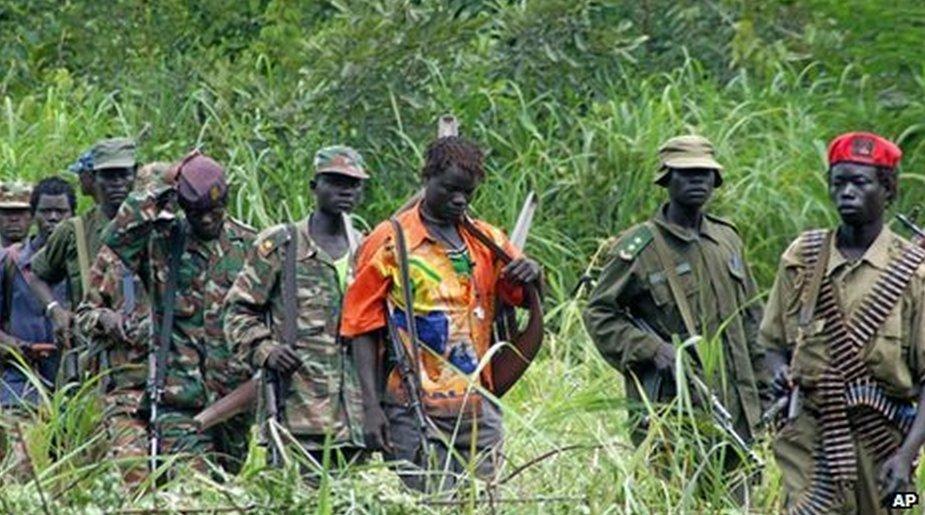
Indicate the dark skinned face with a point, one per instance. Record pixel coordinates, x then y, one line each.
336 193
50 211
447 195
206 223
112 185
692 187
14 224
857 193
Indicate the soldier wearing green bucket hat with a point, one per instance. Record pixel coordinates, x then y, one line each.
681 273
306 367
110 166
15 214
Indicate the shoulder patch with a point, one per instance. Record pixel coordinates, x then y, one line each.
630 245
271 239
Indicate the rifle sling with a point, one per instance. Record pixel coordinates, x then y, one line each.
83 255
401 253
288 288
177 246
674 282
816 243
484 239
277 382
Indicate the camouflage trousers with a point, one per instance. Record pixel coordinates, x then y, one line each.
475 450
793 451
128 432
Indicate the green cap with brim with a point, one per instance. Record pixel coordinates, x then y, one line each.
340 160
15 195
686 153
113 153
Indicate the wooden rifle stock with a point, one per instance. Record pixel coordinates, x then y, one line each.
509 364
236 402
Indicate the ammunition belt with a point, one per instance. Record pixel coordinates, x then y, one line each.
847 386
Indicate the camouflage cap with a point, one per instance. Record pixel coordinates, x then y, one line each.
113 153
201 182
340 159
687 152
151 175
15 195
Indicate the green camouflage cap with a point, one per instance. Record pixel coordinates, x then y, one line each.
15 195
687 152
342 160
113 153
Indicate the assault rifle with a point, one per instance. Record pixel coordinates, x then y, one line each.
722 419
244 396
157 356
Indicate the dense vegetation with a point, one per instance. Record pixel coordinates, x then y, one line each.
570 97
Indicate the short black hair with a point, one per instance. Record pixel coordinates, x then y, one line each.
453 150
52 186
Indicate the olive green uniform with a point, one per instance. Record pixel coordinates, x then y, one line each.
719 288
895 356
57 261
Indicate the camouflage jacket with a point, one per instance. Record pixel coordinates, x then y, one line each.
324 395
200 363
119 289
57 261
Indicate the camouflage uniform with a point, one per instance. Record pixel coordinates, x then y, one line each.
120 290
200 365
321 404
323 399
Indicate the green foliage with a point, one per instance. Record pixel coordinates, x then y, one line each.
571 98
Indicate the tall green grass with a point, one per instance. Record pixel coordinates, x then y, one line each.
570 99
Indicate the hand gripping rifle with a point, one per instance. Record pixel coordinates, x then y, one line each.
722 419
245 396
510 363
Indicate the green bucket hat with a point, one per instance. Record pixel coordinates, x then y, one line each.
341 160
15 195
687 152
113 153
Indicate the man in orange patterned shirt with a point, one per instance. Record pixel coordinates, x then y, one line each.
456 280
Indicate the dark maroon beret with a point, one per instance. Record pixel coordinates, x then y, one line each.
201 182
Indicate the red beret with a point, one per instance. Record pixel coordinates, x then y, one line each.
864 148
201 182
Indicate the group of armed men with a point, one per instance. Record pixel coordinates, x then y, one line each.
175 308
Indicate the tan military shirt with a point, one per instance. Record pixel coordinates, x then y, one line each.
720 292
896 354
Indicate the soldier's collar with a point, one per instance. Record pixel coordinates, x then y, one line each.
877 255
306 246
707 227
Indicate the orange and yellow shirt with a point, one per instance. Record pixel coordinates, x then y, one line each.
454 295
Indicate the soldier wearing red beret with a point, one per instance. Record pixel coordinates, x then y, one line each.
845 332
